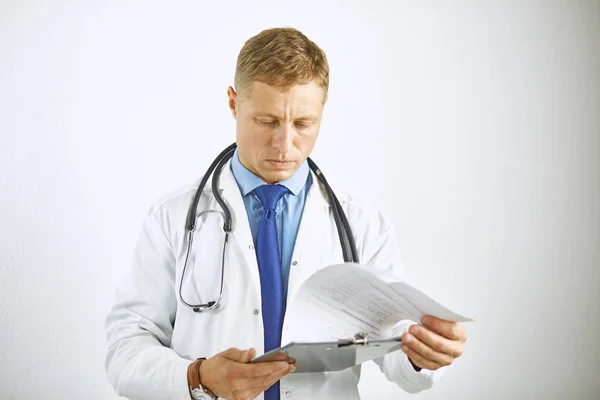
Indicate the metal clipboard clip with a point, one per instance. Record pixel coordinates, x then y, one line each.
360 339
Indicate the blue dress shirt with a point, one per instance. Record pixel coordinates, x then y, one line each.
289 209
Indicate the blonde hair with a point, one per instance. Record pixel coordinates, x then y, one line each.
281 57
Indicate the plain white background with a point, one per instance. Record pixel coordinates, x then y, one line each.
474 125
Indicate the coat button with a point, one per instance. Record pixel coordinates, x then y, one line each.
256 311
288 394
294 263
251 247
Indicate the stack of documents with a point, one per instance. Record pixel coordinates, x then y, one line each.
344 315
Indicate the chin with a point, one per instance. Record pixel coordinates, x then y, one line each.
278 176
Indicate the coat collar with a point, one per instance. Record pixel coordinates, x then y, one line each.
316 208
230 191
309 243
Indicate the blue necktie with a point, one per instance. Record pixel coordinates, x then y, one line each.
269 267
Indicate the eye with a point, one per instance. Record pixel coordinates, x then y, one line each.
267 122
302 124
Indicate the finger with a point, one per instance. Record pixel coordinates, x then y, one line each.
246 379
418 359
425 351
275 376
233 353
260 370
436 342
448 329
260 384
248 355
279 356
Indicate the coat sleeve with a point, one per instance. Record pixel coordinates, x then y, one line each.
380 251
139 362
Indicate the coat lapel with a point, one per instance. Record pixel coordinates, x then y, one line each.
310 242
241 236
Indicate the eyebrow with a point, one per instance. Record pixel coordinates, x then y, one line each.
301 118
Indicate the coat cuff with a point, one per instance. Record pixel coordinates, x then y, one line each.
398 368
180 380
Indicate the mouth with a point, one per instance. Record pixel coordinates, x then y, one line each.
280 164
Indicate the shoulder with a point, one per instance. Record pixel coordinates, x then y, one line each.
374 235
364 217
176 200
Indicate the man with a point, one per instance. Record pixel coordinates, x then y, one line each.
161 349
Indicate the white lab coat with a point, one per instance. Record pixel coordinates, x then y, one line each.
152 337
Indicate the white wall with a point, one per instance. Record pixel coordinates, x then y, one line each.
474 125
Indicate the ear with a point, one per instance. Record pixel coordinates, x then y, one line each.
232 95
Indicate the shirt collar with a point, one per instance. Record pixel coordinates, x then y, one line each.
248 181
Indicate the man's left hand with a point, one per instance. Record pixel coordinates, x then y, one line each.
435 343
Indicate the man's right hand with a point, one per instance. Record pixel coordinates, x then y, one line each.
229 376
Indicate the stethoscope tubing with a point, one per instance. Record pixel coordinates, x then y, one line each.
347 242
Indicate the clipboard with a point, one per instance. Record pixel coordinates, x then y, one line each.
331 356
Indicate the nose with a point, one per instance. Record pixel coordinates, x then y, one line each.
282 141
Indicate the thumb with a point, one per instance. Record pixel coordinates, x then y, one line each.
238 355
248 355
233 353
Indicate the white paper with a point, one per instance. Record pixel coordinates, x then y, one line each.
339 301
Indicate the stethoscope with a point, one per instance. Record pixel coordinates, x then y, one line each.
341 221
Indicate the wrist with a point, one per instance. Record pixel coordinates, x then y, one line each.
416 368
192 380
196 389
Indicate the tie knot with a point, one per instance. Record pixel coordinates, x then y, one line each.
269 195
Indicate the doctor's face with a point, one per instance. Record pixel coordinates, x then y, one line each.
276 127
